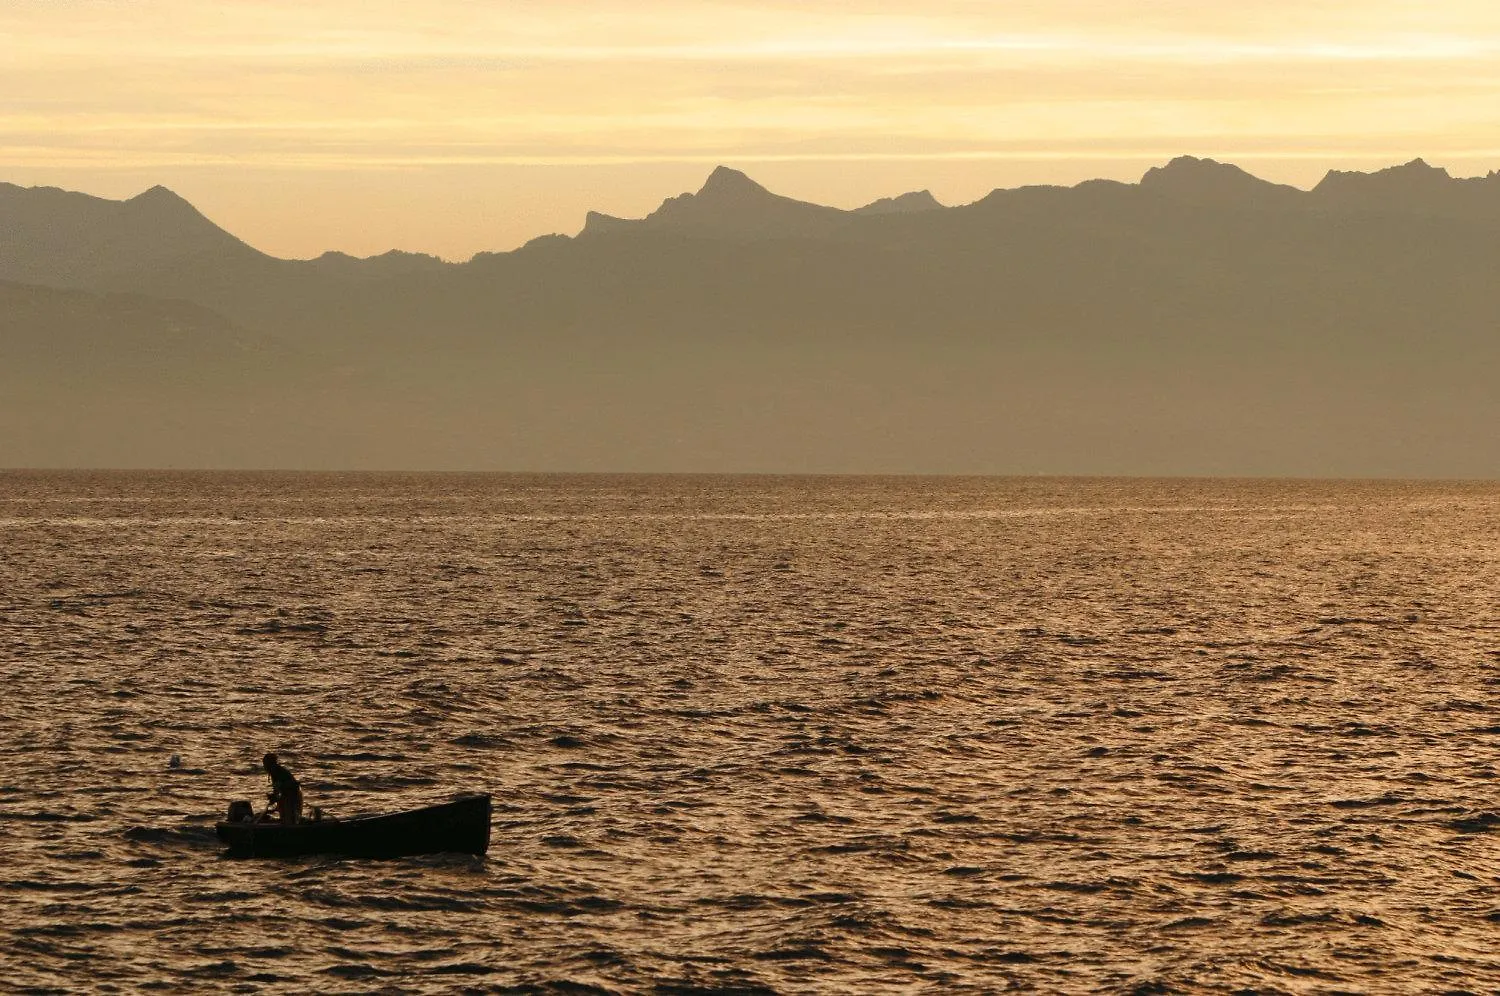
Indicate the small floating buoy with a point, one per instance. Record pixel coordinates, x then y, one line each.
175 761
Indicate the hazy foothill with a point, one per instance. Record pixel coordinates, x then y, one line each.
1201 321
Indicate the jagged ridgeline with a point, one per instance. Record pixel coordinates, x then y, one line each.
1201 321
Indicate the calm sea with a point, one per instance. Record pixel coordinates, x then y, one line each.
756 735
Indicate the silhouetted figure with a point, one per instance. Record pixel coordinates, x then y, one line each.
286 794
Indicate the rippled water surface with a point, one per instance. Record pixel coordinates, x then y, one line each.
755 735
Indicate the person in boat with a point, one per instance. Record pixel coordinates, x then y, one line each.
286 794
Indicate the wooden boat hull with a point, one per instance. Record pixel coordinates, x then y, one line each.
461 826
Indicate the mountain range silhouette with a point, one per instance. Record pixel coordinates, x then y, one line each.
1201 321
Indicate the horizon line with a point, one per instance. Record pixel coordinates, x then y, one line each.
875 474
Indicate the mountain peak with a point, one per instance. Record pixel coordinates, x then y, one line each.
1412 179
1201 174
393 262
595 222
724 182
1208 180
157 195
1418 166
730 203
160 203
916 200
97 242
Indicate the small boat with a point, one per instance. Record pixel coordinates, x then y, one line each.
461 826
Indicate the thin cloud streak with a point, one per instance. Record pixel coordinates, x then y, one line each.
397 54
38 156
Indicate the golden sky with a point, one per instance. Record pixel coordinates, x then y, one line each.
452 126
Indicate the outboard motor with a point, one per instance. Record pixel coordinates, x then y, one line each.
240 811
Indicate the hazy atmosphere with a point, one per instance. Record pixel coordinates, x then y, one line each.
1198 321
969 238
